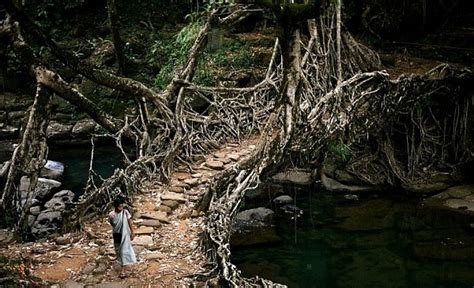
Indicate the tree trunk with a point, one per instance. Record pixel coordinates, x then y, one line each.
115 29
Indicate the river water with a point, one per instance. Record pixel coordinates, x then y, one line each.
372 242
76 164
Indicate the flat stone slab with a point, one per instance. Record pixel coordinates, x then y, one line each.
181 175
177 189
224 160
196 175
144 230
158 215
293 177
143 240
216 165
173 196
220 155
151 223
170 203
234 157
192 181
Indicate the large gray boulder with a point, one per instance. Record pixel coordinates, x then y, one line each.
57 130
66 196
83 128
55 204
46 223
253 226
45 188
52 170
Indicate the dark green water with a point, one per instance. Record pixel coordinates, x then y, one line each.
373 242
76 164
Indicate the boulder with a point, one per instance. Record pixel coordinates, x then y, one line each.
66 196
432 184
335 186
45 188
282 200
57 130
52 170
297 177
31 220
47 222
9 132
254 226
35 210
83 128
458 198
55 204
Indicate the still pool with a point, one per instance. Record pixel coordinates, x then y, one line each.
76 164
373 242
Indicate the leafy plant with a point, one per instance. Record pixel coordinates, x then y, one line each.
340 150
175 51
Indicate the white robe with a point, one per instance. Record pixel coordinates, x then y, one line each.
124 249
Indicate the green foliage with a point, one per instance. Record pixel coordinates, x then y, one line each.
233 54
340 150
175 52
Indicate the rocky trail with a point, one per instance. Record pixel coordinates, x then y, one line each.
167 241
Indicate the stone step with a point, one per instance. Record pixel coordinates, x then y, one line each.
158 215
173 196
151 223
216 165
144 230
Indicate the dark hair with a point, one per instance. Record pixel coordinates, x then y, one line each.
119 200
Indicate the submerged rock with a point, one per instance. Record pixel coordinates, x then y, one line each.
52 170
283 199
254 226
458 198
366 216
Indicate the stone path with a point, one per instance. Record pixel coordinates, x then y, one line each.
167 240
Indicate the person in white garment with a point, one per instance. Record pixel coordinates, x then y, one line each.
122 231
